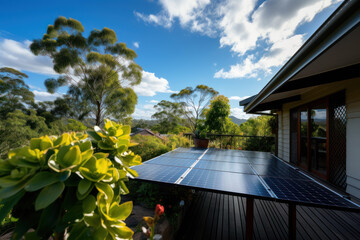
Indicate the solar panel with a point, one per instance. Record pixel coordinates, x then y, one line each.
159 173
225 158
305 191
225 166
279 170
191 155
246 173
165 160
225 181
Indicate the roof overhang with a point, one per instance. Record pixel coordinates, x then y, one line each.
331 54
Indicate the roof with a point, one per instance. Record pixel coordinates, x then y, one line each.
145 130
331 54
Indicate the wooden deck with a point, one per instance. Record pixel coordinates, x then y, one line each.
221 216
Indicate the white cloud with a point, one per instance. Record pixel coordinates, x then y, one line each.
192 14
143 111
151 84
237 98
263 36
273 23
136 44
154 101
45 96
239 113
18 55
148 106
161 20
35 87
276 56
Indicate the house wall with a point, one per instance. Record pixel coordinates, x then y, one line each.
352 88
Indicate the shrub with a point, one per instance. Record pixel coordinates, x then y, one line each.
149 146
71 183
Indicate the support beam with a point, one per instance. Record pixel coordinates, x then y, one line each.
249 218
292 221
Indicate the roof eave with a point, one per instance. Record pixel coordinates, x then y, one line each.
345 18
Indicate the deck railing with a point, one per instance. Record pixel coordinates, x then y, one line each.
240 142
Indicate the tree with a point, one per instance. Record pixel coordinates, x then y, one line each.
17 129
258 126
99 70
218 114
194 101
169 114
14 93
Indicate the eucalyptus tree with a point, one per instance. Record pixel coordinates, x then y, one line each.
169 114
194 102
14 93
97 67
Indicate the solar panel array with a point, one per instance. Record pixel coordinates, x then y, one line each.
247 173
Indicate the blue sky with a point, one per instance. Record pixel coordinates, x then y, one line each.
234 46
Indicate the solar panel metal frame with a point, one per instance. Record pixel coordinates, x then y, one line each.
356 207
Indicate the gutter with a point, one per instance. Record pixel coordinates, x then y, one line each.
345 18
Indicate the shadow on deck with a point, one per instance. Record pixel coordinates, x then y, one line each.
221 216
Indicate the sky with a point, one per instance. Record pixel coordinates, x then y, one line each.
234 46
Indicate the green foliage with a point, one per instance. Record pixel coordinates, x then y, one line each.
194 101
17 129
71 183
97 68
257 126
14 93
150 146
169 116
261 126
218 114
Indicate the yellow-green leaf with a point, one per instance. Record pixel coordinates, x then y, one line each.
121 212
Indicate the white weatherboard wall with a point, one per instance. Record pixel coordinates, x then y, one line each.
352 91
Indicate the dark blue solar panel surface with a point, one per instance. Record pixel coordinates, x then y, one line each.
225 166
240 172
225 181
225 158
305 191
184 155
279 170
164 160
159 173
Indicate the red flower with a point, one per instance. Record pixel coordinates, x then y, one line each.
159 210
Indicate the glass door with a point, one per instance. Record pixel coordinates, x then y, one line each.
303 139
319 139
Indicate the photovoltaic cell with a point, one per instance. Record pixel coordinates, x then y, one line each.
225 181
192 150
225 166
263 161
305 191
159 173
184 155
279 170
224 158
164 160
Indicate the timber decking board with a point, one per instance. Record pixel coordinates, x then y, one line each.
221 217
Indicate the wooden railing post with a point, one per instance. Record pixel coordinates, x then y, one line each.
249 218
292 221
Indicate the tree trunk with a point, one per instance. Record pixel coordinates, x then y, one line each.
98 113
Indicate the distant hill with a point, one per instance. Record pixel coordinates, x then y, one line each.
236 120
